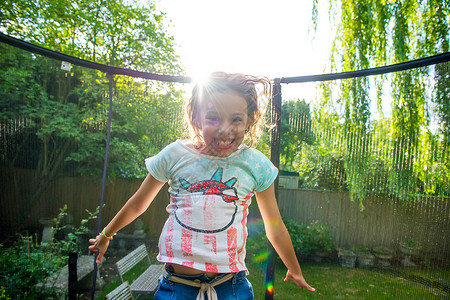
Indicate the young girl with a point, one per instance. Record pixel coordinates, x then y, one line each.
212 180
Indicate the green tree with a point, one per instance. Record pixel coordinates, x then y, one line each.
62 114
322 162
376 33
295 131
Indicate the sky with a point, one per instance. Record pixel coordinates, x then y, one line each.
258 37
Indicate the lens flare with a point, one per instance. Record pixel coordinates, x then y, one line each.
255 222
200 77
260 257
269 288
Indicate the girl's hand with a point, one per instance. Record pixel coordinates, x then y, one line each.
100 244
298 280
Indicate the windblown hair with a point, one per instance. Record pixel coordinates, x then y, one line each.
244 85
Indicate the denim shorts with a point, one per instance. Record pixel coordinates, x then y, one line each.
237 288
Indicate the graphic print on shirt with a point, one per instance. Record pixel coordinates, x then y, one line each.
210 206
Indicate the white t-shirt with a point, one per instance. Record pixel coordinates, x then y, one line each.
209 198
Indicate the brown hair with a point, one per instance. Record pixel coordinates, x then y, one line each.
244 85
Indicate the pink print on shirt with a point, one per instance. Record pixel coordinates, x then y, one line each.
186 235
189 264
211 268
169 238
206 199
244 223
232 244
186 242
211 240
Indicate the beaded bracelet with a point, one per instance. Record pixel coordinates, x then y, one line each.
108 237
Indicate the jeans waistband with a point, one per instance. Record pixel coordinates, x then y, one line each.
202 277
203 286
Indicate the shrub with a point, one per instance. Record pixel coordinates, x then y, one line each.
306 239
24 265
27 262
309 239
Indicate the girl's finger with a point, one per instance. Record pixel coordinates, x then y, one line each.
311 289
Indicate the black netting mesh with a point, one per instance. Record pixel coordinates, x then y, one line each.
366 157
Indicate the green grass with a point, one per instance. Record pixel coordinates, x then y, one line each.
334 282
438 275
331 281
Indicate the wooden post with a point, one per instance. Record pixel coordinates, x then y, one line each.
275 158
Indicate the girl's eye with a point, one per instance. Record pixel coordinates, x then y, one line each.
237 120
213 119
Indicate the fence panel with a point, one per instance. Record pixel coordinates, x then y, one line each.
382 222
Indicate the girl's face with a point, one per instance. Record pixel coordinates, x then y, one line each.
222 122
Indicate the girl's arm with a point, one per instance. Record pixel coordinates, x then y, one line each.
279 236
134 207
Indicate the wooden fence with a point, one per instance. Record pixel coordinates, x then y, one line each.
383 222
79 193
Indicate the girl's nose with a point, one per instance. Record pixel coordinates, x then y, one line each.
225 128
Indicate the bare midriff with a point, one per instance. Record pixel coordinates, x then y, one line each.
183 270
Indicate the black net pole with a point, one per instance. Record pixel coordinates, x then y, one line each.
105 165
275 158
276 131
73 275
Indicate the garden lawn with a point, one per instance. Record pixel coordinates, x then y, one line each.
334 282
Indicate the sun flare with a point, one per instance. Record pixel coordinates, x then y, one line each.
200 77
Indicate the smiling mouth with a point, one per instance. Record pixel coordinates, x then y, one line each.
224 144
